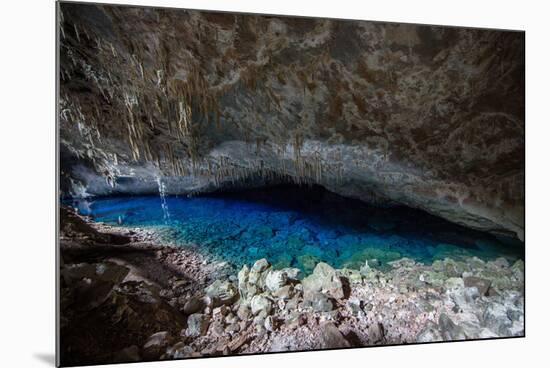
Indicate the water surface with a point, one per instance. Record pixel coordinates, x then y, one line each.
298 227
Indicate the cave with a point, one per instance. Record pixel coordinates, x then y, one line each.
222 173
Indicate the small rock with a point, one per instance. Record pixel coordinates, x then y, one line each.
356 305
217 329
501 262
429 333
284 293
449 330
376 333
471 294
454 283
156 344
269 323
243 312
242 278
233 328
197 325
194 305
482 285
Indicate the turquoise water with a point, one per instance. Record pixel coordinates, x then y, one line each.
298 227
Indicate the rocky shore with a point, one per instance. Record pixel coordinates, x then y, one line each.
126 297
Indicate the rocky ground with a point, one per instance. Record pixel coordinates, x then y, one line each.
125 297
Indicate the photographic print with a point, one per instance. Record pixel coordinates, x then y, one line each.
234 183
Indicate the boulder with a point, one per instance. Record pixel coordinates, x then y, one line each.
255 276
275 280
319 302
284 293
292 273
242 278
222 293
324 278
260 304
197 325
243 312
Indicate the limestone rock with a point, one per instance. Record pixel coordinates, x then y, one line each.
260 303
325 279
292 273
319 302
275 280
255 274
222 292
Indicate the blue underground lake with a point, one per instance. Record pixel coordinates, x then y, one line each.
298 227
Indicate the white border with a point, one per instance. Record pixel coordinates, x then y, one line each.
27 151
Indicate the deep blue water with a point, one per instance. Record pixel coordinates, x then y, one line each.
298 227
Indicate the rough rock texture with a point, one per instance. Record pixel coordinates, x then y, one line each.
183 101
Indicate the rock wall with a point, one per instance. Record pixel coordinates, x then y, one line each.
187 102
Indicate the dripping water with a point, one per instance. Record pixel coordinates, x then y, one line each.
164 206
